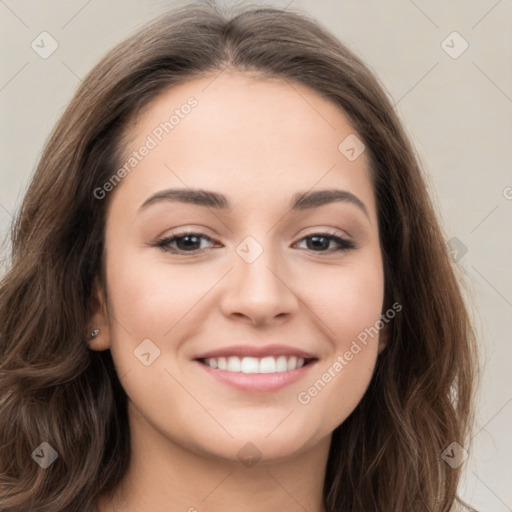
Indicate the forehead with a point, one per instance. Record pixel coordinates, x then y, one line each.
255 138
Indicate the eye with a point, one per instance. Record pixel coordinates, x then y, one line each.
321 242
183 242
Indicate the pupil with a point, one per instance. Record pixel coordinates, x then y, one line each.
188 242
314 241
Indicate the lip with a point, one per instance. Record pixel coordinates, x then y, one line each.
255 351
257 382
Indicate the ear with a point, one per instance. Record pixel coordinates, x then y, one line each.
99 320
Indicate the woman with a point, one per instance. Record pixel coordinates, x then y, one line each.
229 288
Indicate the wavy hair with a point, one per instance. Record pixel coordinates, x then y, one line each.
387 455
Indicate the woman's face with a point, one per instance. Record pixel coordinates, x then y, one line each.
282 265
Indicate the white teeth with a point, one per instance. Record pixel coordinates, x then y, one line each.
249 365
234 364
268 364
292 363
281 364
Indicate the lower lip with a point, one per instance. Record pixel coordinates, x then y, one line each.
257 382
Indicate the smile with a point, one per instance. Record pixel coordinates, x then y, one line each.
270 364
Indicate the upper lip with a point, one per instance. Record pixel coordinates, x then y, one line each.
255 351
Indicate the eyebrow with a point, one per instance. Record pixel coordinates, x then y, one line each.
300 201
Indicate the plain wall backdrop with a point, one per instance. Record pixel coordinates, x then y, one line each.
453 92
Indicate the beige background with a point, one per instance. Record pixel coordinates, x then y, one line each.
458 112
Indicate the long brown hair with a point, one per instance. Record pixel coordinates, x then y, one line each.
387 455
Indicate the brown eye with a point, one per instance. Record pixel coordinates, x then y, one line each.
183 242
322 242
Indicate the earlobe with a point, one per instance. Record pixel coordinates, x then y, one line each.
98 334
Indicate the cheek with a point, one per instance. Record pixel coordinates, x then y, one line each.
347 300
148 299
349 303
354 306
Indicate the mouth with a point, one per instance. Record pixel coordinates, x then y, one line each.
256 369
257 365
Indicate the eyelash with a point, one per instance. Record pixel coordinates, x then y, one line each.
164 243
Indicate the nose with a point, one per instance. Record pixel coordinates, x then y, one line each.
260 292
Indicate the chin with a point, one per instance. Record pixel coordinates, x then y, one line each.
261 447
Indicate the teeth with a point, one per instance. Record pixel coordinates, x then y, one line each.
281 364
234 364
255 365
248 364
292 363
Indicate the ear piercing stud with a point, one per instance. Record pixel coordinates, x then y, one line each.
93 334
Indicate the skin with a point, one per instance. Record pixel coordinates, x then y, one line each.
186 428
